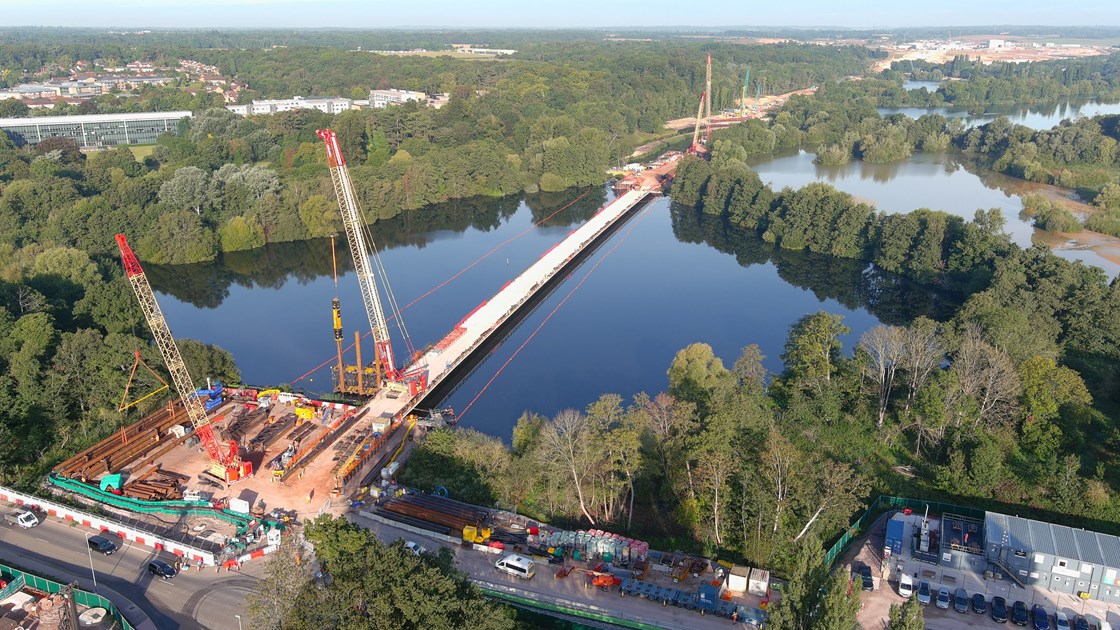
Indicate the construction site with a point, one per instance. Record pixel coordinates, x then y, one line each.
219 473
223 471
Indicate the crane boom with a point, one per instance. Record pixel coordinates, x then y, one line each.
171 356
708 88
359 249
696 132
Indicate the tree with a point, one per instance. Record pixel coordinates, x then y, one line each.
694 374
812 349
987 376
186 190
374 585
882 347
908 616
287 574
567 441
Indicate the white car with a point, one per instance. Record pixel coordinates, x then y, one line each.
905 585
1061 621
415 548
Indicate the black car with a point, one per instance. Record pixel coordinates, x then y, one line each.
1080 623
979 604
1041 618
865 575
162 569
999 610
101 545
1020 615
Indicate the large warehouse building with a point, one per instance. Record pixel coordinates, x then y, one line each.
98 130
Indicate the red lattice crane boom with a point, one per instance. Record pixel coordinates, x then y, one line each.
224 458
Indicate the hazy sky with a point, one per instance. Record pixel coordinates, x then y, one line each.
551 14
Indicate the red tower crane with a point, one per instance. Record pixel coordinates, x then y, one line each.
225 459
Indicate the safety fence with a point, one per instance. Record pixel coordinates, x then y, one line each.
886 504
83 598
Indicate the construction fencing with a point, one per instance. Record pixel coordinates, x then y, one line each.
83 598
886 504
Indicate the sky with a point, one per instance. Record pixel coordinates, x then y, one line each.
459 14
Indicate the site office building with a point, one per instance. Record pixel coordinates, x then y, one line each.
1055 557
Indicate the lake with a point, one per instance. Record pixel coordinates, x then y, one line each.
939 181
669 277
1035 116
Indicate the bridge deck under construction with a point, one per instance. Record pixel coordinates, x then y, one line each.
478 326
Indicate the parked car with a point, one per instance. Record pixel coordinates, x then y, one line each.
865 575
1061 621
101 544
162 569
1080 623
924 593
24 519
960 601
905 585
979 604
1020 616
944 597
999 610
1040 618
415 548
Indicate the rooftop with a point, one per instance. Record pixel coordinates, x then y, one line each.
1028 535
92 118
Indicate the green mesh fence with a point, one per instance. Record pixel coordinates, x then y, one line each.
92 600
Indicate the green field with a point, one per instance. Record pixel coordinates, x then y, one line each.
142 151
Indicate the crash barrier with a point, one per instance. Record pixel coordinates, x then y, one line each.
83 598
104 524
886 504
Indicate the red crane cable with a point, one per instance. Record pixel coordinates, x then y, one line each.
459 416
447 281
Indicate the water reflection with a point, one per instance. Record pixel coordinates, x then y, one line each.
949 182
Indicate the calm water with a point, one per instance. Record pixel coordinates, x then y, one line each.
931 180
917 85
667 278
1035 117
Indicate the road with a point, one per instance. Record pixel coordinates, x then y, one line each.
193 599
569 592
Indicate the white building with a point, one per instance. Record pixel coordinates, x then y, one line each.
329 105
997 43
384 98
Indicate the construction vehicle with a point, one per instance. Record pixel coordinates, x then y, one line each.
363 251
225 460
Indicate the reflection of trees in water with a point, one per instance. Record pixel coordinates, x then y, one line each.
206 285
891 298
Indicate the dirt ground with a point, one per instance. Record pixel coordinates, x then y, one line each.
989 55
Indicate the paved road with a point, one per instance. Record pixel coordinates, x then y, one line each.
545 588
193 599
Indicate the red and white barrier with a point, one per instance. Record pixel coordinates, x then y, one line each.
104 525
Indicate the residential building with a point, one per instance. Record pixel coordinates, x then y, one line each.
98 130
329 105
384 98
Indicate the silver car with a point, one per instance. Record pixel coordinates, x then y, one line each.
944 597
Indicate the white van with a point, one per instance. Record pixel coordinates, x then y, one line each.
905 585
519 566
1104 625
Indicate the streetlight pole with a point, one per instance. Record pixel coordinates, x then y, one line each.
89 551
238 621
